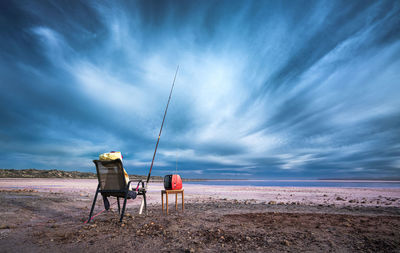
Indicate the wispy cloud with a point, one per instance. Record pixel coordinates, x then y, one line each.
265 90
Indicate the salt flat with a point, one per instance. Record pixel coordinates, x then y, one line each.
47 215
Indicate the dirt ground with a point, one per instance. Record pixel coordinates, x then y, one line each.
34 221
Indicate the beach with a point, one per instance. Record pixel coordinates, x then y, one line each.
44 215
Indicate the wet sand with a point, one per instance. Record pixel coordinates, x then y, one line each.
43 215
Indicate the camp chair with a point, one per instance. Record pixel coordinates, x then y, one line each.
112 183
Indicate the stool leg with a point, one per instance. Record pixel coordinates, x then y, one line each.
166 201
183 202
162 202
176 201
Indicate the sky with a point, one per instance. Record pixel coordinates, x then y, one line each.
265 89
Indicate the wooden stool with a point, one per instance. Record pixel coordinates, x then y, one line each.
166 192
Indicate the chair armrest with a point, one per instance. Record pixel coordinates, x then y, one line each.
137 187
129 183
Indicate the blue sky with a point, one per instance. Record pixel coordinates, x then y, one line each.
266 89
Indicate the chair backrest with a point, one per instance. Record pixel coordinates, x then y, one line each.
111 175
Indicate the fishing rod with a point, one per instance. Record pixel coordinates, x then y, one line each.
162 124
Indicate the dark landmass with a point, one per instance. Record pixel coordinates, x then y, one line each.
35 173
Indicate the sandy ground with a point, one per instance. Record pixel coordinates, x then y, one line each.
47 215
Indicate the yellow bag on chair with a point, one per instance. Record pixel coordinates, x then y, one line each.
113 155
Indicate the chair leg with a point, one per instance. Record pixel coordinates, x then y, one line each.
123 207
119 206
141 207
94 202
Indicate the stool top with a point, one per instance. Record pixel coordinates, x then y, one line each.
172 191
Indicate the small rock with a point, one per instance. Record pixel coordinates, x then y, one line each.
4 226
286 243
272 202
340 198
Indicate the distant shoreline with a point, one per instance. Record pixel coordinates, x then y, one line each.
36 173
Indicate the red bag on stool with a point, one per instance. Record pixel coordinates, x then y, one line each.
172 182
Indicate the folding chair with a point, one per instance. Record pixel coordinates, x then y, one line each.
112 183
